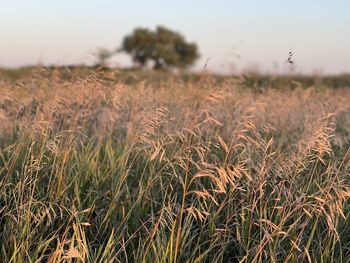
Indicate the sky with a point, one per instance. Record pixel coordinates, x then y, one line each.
232 35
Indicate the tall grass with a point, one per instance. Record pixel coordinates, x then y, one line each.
95 170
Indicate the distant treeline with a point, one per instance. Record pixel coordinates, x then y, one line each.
133 76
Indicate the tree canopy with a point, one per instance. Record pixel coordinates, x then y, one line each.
102 55
163 46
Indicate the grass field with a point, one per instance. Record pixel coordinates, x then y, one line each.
100 167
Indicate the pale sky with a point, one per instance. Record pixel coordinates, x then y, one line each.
261 32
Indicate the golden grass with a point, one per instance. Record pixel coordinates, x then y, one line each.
93 169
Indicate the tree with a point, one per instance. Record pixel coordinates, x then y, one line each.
163 46
102 56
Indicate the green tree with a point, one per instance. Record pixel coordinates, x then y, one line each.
102 55
163 46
